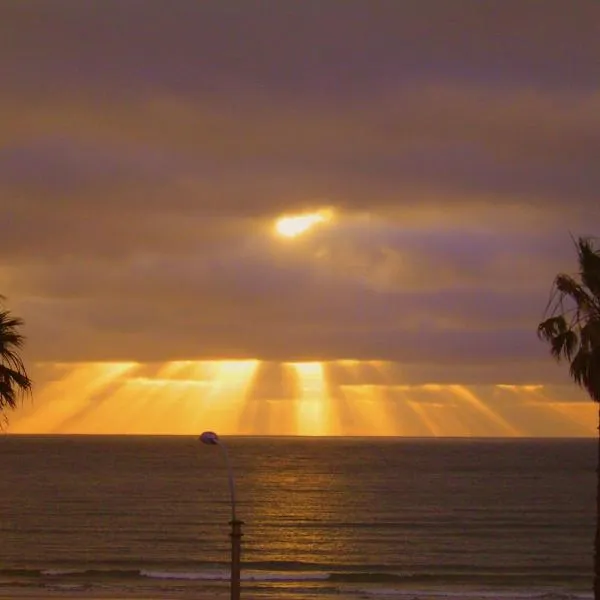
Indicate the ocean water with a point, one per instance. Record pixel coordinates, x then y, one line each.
147 517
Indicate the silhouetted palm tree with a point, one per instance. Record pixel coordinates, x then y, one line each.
14 380
573 331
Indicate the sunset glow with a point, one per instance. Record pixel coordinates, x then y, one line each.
356 398
341 220
313 407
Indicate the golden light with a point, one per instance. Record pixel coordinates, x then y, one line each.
179 397
582 415
70 396
476 408
308 398
294 225
368 411
312 406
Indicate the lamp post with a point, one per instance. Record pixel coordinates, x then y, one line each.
212 439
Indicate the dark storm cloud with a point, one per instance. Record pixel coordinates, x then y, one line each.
145 152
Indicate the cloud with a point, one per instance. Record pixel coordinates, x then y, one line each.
138 191
98 177
345 46
268 304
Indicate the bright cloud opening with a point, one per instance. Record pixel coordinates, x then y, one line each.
294 225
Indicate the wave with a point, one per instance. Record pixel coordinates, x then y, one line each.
356 583
186 575
255 575
415 594
284 570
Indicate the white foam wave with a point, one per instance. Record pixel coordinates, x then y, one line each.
259 576
467 594
188 576
285 576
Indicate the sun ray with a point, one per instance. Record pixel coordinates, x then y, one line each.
146 403
438 414
223 403
269 400
70 394
211 397
431 421
313 409
383 368
505 428
341 412
179 397
141 401
412 419
369 410
582 414
164 403
345 397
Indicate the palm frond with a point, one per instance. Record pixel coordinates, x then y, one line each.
585 371
14 380
589 265
564 344
12 383
7 396
562 339
568 286
551 327
572 327
589 333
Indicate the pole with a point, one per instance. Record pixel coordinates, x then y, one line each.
212 439
236 534
236 557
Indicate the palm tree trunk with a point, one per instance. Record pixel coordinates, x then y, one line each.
597 537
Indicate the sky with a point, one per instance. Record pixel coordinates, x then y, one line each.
147 150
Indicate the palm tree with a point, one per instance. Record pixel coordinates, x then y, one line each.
572 328
14 380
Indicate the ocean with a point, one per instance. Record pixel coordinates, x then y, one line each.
147 517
